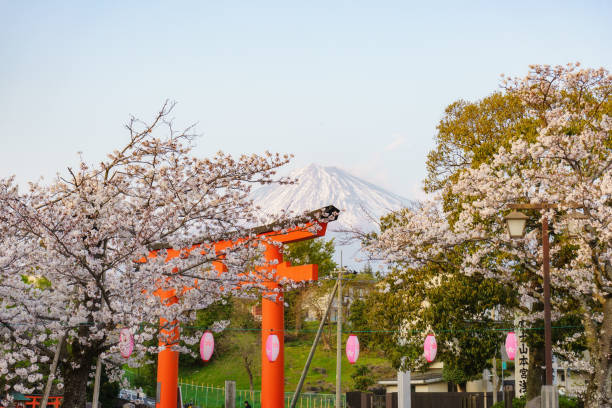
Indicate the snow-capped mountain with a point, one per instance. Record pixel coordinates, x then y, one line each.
360 203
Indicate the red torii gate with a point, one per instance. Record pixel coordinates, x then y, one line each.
272 373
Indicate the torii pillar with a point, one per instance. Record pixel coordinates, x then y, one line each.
272 311
272 373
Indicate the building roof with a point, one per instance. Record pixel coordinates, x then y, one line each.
418 379
17 396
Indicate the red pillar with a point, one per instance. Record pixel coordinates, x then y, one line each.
272 306
168 363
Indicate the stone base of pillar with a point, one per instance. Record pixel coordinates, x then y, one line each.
550 397
403 389
230 394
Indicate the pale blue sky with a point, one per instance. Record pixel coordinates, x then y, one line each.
359 85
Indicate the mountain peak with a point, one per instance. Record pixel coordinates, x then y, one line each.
361 203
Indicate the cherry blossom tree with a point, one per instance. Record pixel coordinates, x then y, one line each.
69 249
567 164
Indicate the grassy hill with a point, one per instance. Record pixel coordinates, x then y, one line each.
321 376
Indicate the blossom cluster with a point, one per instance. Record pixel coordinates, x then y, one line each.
122 244
566 171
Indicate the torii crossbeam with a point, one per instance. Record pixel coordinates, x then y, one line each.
272 373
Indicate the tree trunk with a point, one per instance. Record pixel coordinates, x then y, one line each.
536 372
247 367
298 310
598 394
325 338
495 380
75 379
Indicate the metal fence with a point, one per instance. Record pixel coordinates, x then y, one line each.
202 395
208 396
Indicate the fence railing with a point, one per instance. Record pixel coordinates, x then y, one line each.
207 396
211 396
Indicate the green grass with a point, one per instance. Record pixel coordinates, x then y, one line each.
321 376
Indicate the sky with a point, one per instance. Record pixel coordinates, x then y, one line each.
357 85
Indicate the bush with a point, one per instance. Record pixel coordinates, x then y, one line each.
519 402
498 404
362 378
569 402
564 402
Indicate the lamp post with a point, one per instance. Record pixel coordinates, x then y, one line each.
516 223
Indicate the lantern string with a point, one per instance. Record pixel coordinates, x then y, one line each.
294 330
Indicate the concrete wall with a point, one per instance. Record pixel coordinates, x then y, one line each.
434 387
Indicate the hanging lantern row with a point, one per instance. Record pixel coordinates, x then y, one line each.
126 342
511 345
430 347
207 346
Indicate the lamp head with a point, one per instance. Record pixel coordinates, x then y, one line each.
516 222
574 223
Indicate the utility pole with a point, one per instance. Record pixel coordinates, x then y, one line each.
547 308
339 340
494 373
58 351
96 391
502 378
313 348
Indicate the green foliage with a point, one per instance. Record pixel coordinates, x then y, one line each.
498 404
457 309
321 376
519 402
245 343
569 402
359 321
470 133
454 374
39 282
145 377
564 402
312 251
108 390
362 378
221 310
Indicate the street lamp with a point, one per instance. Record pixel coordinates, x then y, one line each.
516 222
573 223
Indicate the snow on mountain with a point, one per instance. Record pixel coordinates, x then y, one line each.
360 203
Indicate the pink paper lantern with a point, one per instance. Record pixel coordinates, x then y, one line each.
126 342
352 349
207 346
431 348
511 345
272 347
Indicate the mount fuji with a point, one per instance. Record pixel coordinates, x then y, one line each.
361 203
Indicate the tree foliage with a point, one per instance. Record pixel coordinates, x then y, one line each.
84 232
314 251
362 378
413 302
566 162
